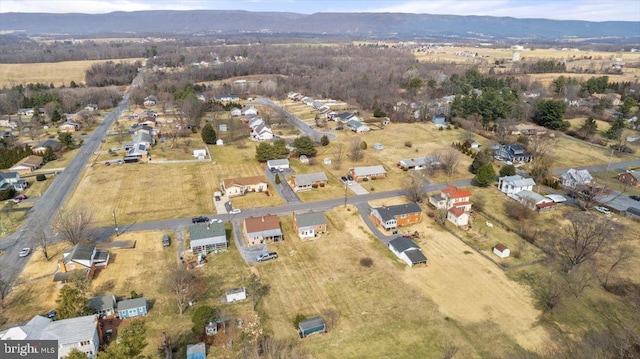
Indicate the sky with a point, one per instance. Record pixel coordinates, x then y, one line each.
590 10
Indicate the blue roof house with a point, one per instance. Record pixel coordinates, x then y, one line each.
132 308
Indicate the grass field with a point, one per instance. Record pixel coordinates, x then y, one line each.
58 73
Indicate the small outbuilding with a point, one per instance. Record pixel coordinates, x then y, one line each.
501 250
200 154
196 351
311 326
236 295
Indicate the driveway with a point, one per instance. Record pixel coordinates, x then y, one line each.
249 254
284 189
357 188
364 209
312 133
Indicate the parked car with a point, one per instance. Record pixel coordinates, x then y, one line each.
200 219
166 240
235 211
51 314
19 198
217 198
273 170
634 197
107 163
25 252
215 220
344 179
266 256
602 210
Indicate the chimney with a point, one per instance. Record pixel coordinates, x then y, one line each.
263 219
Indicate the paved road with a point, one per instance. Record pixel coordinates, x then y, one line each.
312 133
62 186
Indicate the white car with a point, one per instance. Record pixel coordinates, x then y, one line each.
602 210
215 220
349 183
25 252
235 211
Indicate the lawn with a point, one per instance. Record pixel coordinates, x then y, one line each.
608 178
570 153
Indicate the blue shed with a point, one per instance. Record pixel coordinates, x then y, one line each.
132 308
439 119
311 326
196 351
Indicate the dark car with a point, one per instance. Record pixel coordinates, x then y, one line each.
166 240
200 219
634 197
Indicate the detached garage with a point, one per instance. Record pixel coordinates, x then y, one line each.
501 250
406 249
311 326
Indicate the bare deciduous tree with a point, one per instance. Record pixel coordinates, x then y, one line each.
413 189
356 150
548 292
337 161
257 289
332 316
540 146
441 216
184 285
588 195
42 240
74 224
617 258
450 160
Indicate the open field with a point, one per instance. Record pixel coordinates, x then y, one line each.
390 305
569 152
576 123
608 178
57 73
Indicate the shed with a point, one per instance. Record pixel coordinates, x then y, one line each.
219 142
196 351
200 154
501 250
223 128
304 159
311 326
378 146
327 161
236 295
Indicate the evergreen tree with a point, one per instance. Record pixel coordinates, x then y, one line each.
66 139
550 113
486 175
73 297
76 354
209 134
131 342
304 146
277 178
201 317
588 128
264 152
615 131
508 170
482 158
49 155
280 149
324 140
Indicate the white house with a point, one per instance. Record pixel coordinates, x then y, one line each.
514 184
249 111
236 295
262 133
235 112
278 164
458 216
406 249
534 201
501 250
574 178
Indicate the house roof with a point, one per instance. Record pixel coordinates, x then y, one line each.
210 230
102 302
369 171
581 176
30 161
195 349
416 256
311 323
518 181
456 211
9 176
244 181
630 174
280 162
535 197
310 219
142 137
51 143
81 251
455 192
388 213
235 291
500 247
31 330
261 224
132 303
72 330
354 123
402 244
308 179
557 198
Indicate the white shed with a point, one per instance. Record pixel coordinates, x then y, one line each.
236 295
501 250
200 154
219 142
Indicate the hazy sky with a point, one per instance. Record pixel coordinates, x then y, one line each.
603 10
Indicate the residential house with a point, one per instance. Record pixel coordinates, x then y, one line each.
82 257
407 250
419 163
249 111
501 250
8 123
280 164
235 295
235 112
391 217
357 126
439 119
514 184
41 148
452 197
308 181
103 306
575 178
91 107
261 132
367 173
534 201
528 130
79 333
311 326
132 308
309 225
226 98
69 127
343 117
197 351
515 153
240 186
25 111
142 137
208 238
135 151
629 178
262 230
458 216
12 180
150 100
27 165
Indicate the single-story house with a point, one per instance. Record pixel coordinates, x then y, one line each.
235 295
575 178
357 126
557 198
200 154
69 126
197 351
227 97
309 225
25 111
367 173
501 250
407 250
311 326
132 308
528 130
278 164
391 217
534 201
308 181
79 333
235 112
233 187
261 230
12 180
27 165
419 163
208 238
515 184
150 100
91 107
629 178
82 257
41 149
250 111
458 216
104 305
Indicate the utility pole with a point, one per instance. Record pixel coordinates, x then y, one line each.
345 194
115 221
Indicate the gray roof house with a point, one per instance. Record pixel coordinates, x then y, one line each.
419 163
390 217
514 184
309 225
208 238
104 305
74 333
407 250
574 178
278 164
306 181
83 256
12 180
132 307
368 172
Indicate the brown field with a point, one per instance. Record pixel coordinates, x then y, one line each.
58 73
569 152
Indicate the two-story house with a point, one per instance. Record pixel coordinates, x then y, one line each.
514 184
576 178
457 203
515 153
391 217
629 178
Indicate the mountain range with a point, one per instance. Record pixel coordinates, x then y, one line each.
354 25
